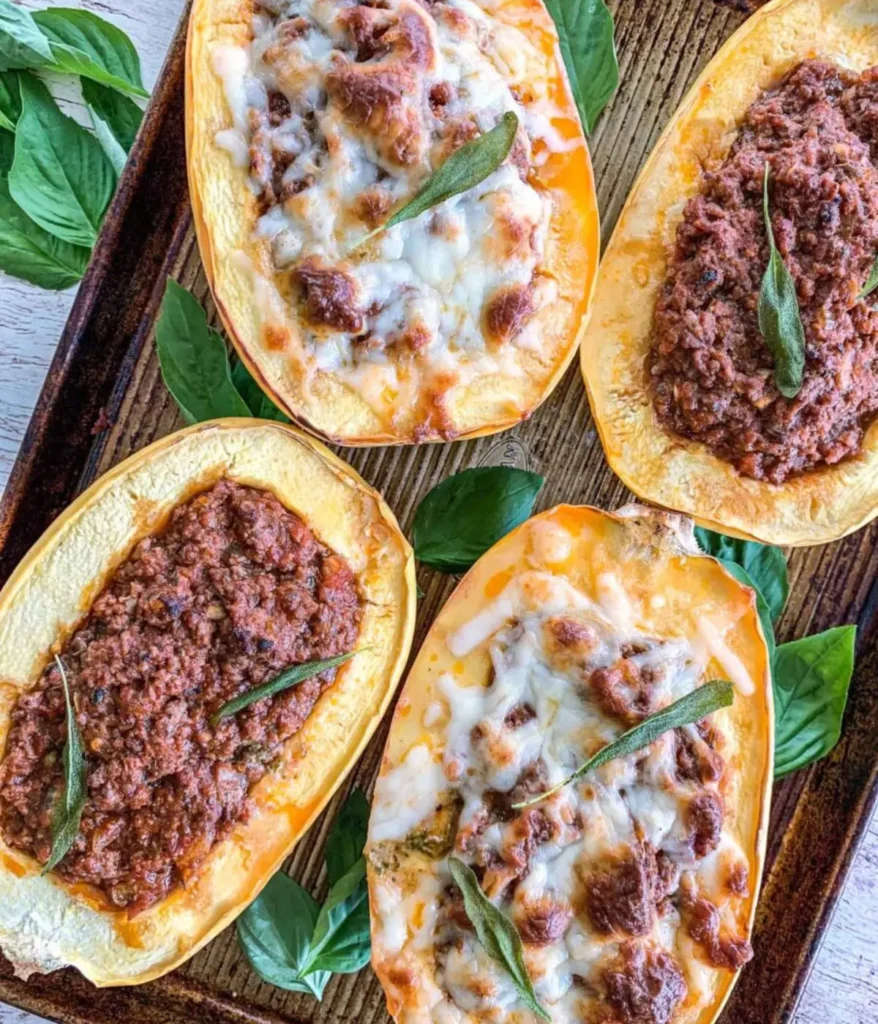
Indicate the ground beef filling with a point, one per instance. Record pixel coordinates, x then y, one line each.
712 374
234 590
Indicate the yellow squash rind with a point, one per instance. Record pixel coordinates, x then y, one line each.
46 923
251 304
811 509
654 555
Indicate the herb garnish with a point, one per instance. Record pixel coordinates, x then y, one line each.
68 810
295 944
871 282
585 37
810 677
469 512
497 934
292 676
691 708
463 170
780 322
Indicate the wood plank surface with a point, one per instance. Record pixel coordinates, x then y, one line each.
106 363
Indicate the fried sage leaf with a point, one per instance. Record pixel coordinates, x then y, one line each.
84 44
463 170
68 811
60 176
691 708
497 934
811 678
780 322
871 282
469 512
291 677
585 36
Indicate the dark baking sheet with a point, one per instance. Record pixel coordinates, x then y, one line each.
104 399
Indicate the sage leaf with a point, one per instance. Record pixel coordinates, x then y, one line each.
764 564
469 512
780 322
275 934
83 44
259 404
68 811
60 176
116 119
194 360
341 942
463 170
347 838
585 37
871 282
497 934
22 44
691 708
10 100
811 678
26 250
291 677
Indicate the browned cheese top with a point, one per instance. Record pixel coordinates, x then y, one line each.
711 371
233 591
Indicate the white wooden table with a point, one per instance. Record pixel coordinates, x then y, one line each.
843 987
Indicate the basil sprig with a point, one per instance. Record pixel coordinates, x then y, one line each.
691 708
68 810
291 941
871 282
497 934
585 37
195 365
780 322
22 44
811 676
463 170
115 119
291 677
469 512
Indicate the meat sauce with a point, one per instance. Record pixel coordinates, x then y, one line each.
231 592
711 371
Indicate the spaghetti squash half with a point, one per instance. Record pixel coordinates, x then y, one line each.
200 568
683 368
633 889
308 126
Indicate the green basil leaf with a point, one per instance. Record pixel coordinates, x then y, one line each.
463 170
585 37
344 845
259 404
291 677
780 322
811 679
10 100
26 250
469 512
497 934
691 708
764 564
194 360
275 934
22 44
871 282
60 176
341 942
116 119
86 45
68 811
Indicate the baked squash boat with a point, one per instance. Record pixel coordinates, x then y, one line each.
677 360
632 888
309 125
198 569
